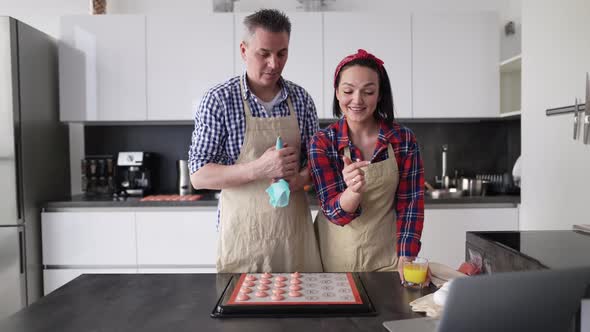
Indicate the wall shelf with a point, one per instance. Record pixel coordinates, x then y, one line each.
511 65
510 87
510 114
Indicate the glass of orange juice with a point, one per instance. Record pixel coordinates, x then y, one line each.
415 272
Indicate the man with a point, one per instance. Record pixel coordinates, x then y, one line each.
233 149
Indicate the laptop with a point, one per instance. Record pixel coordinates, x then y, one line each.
542 300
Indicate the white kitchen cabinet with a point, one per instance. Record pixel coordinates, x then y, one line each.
102 68
88 238
177 238
144 240
53 279
386 35
443 236
455 65
186 56
304 65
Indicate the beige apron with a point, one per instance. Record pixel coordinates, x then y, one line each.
253 235
368 242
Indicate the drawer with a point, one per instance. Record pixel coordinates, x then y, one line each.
177 238
88 238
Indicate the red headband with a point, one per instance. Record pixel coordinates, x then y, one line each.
360 54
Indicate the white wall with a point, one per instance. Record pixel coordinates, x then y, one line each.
555 169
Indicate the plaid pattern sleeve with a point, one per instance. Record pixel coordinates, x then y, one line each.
209 135
409 196
325 167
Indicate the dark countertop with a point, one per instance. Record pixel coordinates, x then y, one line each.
552 249
183 302
209 200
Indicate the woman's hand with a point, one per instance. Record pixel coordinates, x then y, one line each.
353 175
400 270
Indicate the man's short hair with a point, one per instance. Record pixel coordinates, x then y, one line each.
269 19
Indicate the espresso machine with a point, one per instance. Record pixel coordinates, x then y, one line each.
135 173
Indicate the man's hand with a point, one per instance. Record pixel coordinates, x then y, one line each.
276 164
298 181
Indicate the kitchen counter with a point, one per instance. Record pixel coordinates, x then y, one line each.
183 302
209 200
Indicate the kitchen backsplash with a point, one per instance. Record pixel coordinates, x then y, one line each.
490 146
473 147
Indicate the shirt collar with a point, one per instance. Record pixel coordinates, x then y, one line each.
387 135
247 93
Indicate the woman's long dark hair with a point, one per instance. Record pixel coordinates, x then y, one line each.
384 111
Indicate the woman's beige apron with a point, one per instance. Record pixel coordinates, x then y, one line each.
253 235
368 242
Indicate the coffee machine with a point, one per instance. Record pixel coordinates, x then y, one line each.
135 173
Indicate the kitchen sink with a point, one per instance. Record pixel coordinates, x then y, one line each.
444 193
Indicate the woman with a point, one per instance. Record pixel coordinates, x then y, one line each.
368 174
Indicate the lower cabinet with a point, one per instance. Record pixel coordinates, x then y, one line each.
144 240
179 240
443 237
314 213
176 239
88 238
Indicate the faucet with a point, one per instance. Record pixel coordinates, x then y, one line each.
444 180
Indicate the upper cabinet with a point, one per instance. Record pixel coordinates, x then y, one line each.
455 65
102 68
387 36
157 68
186 56
304 65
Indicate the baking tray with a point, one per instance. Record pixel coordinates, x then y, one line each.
225 307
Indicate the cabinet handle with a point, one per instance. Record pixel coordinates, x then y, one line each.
586 129
576 119
21 258
587 111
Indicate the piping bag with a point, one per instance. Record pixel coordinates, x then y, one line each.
279 191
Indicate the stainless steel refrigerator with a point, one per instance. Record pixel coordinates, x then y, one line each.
34 166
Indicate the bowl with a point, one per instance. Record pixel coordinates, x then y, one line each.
444 193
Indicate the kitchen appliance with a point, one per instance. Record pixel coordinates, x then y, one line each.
445 179
98 175
499 183
544 300
135 172
34 157
184 178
